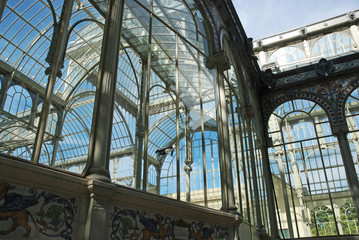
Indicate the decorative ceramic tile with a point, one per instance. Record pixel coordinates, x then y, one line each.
34 214
135 224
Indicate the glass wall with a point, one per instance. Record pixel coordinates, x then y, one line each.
170 100
311 187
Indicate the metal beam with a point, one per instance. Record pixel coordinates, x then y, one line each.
119 154
29 83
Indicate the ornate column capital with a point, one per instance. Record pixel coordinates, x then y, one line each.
338 129
219 60
267 142
250 111
188 169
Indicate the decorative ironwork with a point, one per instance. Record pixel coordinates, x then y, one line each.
324 67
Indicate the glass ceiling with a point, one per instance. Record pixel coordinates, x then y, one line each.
178 39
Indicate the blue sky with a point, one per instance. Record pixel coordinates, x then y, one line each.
262 18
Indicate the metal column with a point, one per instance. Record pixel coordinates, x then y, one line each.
188 162
228 199
100 141
266 143
254 173
55 60
140 129
2 7
341 131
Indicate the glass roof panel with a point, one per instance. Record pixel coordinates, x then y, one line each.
27 39
170 16
26 32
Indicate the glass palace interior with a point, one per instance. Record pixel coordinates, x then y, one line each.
187 111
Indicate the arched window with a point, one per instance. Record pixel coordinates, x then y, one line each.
287 57
121 170
324 220
352 118
332 44
168 171
18 101
306 166
349 218
152 179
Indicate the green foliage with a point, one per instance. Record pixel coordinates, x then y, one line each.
326 223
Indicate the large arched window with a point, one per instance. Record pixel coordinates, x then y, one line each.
197 173
287 57
332 44
307 168
352 118
245 147
18 101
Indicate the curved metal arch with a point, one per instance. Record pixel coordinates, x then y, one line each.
223 35
73 27
162 158
330 34
285 47
212 30
155 168
158 85
27 150
282 122
343 98
47 154
193 17
77 97
33 43
91 70
28 91
80 95
163 119
316 98
81 21
191 13
68 108
70 95
92 93
79 118
181 136
132 66
52 11
125 122
300 111
168 26
173 140
174 101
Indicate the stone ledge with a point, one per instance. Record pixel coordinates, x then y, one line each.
29 174
128 197
43 177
